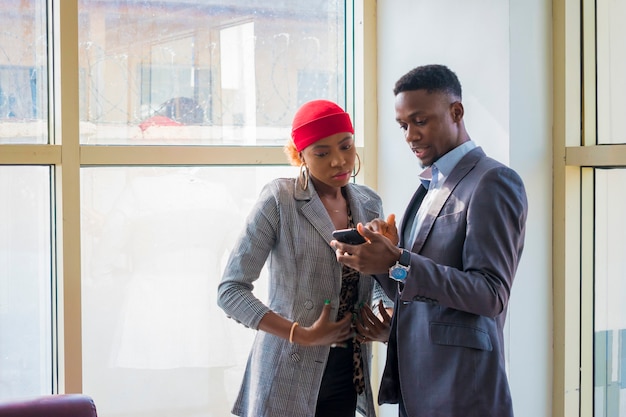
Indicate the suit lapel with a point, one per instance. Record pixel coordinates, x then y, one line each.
465 165
409 216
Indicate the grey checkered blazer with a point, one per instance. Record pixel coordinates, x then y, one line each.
290 229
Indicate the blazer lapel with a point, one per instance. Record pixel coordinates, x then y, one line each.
409 215
362 207
465 165
314 211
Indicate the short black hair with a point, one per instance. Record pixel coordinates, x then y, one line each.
430 78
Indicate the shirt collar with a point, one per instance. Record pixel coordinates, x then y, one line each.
447 162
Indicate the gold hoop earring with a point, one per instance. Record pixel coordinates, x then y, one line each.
303 178
359 169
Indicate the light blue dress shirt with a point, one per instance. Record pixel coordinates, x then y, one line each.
433 178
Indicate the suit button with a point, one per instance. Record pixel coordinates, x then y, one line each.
295 357
308 304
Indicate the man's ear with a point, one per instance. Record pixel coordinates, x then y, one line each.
457 111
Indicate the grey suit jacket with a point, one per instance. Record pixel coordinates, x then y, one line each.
291 230
446 352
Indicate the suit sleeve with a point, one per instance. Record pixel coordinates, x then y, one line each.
488 240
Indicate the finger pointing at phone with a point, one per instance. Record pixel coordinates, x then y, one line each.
374 257
386 228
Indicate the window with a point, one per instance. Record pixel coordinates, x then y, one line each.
26 287
609 292
154 242
205 73
25 284
611 67
23 73
590 161
127 163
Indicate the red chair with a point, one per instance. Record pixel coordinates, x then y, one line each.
59 405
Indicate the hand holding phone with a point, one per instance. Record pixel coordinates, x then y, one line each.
350 236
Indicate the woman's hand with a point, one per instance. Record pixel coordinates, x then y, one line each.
325 331
371 327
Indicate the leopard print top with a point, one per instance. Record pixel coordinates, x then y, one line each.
347 304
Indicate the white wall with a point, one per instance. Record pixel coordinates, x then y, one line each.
501 52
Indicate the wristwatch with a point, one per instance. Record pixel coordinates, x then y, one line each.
400 270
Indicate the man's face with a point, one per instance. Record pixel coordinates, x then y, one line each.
431 123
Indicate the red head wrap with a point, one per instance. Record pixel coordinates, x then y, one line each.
318 119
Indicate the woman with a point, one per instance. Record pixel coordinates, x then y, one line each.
310 357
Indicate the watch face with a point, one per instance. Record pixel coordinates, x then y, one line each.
398 274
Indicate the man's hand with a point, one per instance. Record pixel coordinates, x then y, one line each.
386 228
374 257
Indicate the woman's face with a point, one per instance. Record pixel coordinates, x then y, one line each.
331 160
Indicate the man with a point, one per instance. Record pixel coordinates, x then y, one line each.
462 234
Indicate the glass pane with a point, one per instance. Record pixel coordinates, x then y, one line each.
23 72
154 243
611 67
610 293
25 289
205 72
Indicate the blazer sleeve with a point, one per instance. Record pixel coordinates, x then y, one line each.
247 259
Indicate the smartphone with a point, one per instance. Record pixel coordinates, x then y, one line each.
350 236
